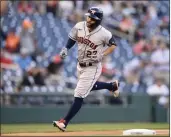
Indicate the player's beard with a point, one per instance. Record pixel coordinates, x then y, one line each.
91 26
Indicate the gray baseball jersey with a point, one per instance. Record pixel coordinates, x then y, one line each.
89 44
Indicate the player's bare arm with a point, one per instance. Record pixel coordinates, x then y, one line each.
109 50
111 46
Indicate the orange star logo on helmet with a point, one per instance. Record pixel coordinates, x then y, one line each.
93 11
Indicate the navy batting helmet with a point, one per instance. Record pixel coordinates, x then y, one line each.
95 13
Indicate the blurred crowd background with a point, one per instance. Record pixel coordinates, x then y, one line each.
33 33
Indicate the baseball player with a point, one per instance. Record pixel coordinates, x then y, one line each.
94 43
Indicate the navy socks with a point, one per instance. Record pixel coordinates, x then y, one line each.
102 85
75 107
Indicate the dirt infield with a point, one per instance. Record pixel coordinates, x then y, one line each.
163 132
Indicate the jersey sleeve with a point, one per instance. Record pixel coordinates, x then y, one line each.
109 39
73 33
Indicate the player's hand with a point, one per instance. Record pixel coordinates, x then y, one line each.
97 58
63 53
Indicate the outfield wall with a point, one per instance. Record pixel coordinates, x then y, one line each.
142 109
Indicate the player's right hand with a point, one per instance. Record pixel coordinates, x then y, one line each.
63 53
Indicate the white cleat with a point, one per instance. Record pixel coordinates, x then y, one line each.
116 91
60 125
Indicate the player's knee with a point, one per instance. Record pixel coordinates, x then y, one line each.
78 95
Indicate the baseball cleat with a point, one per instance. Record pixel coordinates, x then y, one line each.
115 91
60 124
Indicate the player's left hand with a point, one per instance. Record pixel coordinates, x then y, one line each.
97 58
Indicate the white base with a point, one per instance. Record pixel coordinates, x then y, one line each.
139 132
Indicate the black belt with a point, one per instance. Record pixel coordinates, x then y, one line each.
85 64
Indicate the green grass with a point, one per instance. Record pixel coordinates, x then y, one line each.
33 128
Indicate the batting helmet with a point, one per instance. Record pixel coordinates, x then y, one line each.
95 13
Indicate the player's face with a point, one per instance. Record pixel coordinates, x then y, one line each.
90 22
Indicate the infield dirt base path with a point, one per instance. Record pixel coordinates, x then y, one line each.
163 132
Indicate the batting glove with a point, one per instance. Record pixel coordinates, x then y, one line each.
63 53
